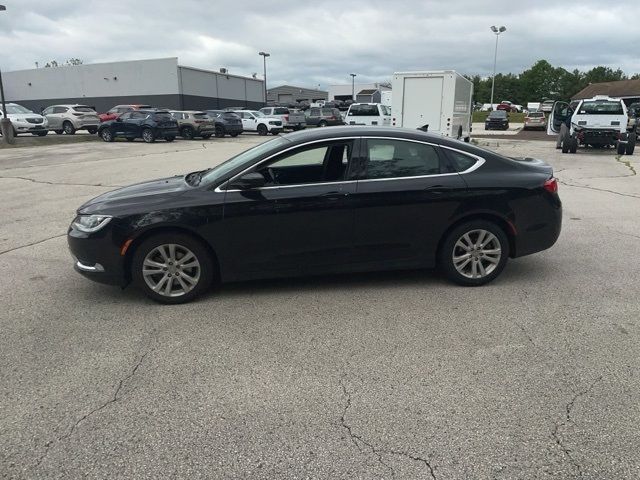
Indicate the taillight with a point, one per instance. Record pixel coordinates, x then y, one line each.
78 114
331 118
551 185
286 118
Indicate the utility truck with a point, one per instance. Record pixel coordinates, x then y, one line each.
435 101
596 122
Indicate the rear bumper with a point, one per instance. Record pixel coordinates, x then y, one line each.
166 132
540 229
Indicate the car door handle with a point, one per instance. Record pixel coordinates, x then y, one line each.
333 196
437 189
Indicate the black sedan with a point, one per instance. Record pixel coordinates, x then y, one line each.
340 199
146 124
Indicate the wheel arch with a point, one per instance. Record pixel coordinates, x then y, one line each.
167 229
506 226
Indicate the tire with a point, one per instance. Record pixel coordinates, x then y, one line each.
206 136
156 274
92 131
631 144
235 134
322 124
148 136
169 138
130 139
461 270
566 142
573 145
262 130
106 135
219 132
621 148
467 139
41 134
59 132
187 133
459 133
68 128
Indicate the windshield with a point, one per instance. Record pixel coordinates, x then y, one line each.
217 173
498 114
600 107
17 109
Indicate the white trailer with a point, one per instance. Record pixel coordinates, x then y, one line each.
440 100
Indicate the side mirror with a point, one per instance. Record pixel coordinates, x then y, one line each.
118 119
248 181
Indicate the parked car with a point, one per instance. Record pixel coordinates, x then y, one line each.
497 120
71 118
118 110
368 114
421 200
323 117
506 106
226 123
24 120
292 119
146 124
193 123
255 121
633 125
535 120
547 106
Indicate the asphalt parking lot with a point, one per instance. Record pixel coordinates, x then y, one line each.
388 375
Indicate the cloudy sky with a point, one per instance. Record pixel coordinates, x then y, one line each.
322 41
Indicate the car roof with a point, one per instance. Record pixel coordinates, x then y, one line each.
70 105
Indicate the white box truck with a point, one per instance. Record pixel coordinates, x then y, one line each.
438 101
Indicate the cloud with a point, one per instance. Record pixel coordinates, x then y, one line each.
321 42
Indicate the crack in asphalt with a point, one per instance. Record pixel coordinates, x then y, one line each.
102 406
357 439
555 433
626 163
63 183
525 294
598 189
32 243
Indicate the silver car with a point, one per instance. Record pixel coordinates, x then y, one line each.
70 118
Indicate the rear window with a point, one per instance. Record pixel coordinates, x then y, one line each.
200 115
602 107
364 111
328 111
84 109
281 111
460 161
535 115
162 117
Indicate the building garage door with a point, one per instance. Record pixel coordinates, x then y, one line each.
285 98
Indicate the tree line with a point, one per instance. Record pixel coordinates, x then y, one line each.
541 82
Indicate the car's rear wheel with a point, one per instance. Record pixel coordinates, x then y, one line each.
262 129
459 136
322 123
106 135
169 138
631 144
474 253
59 132
235 134
148 136
41 134
219 131
573 146
621 148
68 128
566 143
172 268
187 133
206 136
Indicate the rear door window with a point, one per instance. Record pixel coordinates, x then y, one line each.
459 161
387 158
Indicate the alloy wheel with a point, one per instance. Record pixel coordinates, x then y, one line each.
171 270
476 254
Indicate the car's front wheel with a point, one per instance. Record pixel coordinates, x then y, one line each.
262 129
219 131
172 268
474 253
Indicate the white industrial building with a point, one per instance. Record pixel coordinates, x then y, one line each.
157 82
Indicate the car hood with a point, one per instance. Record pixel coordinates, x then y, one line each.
141 194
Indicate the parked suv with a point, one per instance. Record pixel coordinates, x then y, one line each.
370 114
118 110
323 117
291 118
194 124
70 118
497 119
535 120
146 124
226 123
254 121
24 120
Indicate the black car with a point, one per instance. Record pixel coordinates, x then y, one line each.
497 120
340 199
146 124
227 123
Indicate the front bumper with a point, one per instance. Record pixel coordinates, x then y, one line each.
97 257
25 127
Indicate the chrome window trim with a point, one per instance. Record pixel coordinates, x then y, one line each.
479 162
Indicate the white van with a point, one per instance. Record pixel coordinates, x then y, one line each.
370 114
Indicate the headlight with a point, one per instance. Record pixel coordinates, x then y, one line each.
273 123
91 223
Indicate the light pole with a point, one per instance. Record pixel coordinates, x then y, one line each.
497 31
5 123
264 60
353 87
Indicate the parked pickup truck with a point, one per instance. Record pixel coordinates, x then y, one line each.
292 119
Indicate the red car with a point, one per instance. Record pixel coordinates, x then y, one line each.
506 106
118 110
